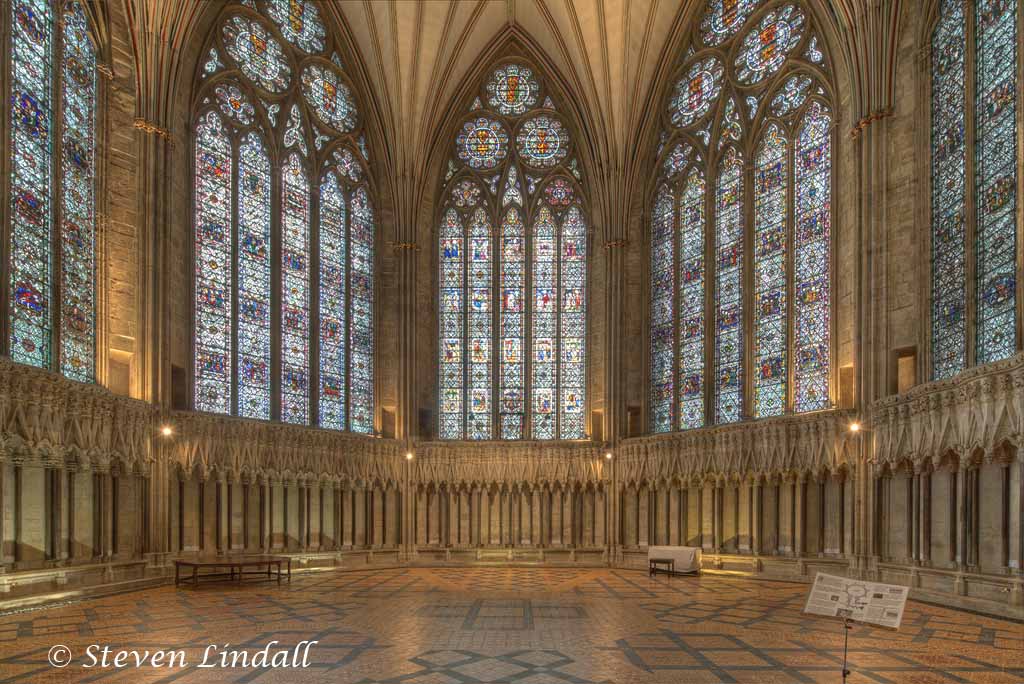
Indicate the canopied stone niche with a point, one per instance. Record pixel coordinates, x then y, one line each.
94 494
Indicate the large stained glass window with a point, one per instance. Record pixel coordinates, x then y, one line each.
741 293
52 218
284 294
512 260
974 220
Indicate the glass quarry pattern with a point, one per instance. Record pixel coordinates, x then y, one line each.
78 198
995 178
213 286
323 224
949 340
770 219
294 291
767 220
254 287
692 222
729 289
990 301
512 272
663 286
812 270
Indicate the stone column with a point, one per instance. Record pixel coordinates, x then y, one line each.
359 516
108 514
464 516
643 514
378 516
600 517
568 515
961 515
717 533
453 517
535 519
799 519
756 520
914 516
221 513
925 516
822 488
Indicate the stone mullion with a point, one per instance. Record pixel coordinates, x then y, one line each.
496 336
710 278
747 302
313 323
970 201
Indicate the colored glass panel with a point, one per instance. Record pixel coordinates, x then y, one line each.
572 325
294 291
512 90
333 304
791 95
329 97
692 274
78 198
452 314
771 177
663 290
234 103
214 171
811 261
995 179
723 18
544 326
729 289
480 265
299 22
512 372
948 319
361 232
766 47
693 95
31 268
542 142
259 56
254 282
482 143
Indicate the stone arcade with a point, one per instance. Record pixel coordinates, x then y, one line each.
463 306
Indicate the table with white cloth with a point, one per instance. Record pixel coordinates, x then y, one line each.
685 559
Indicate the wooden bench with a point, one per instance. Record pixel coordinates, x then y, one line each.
268 567
654 563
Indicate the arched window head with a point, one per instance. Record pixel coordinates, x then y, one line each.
740 222
51 228
284 224
512 251
975 221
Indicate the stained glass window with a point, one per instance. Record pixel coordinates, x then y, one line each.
991 138
995 179
767 351
513 333
78 198
663 289
729 289
254 286
770 181
214 173
692 300
361 330
949 340
812 260
333 314
296 344
512 269
294 291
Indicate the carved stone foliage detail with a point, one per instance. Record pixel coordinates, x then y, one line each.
508 463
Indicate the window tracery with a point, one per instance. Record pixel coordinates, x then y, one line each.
741 223
285 230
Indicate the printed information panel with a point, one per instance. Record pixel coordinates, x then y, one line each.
870 602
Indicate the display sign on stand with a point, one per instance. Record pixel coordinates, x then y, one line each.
854 600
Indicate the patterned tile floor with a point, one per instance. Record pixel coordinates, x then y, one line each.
522 625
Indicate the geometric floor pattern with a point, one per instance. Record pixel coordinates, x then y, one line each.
521 625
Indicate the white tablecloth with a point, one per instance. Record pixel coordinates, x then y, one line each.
687 558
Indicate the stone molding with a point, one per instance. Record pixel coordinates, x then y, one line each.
484 464
979 409
773 447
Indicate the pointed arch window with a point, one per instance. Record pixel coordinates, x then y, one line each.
284 241
50 238
512 254
740 231
975 224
